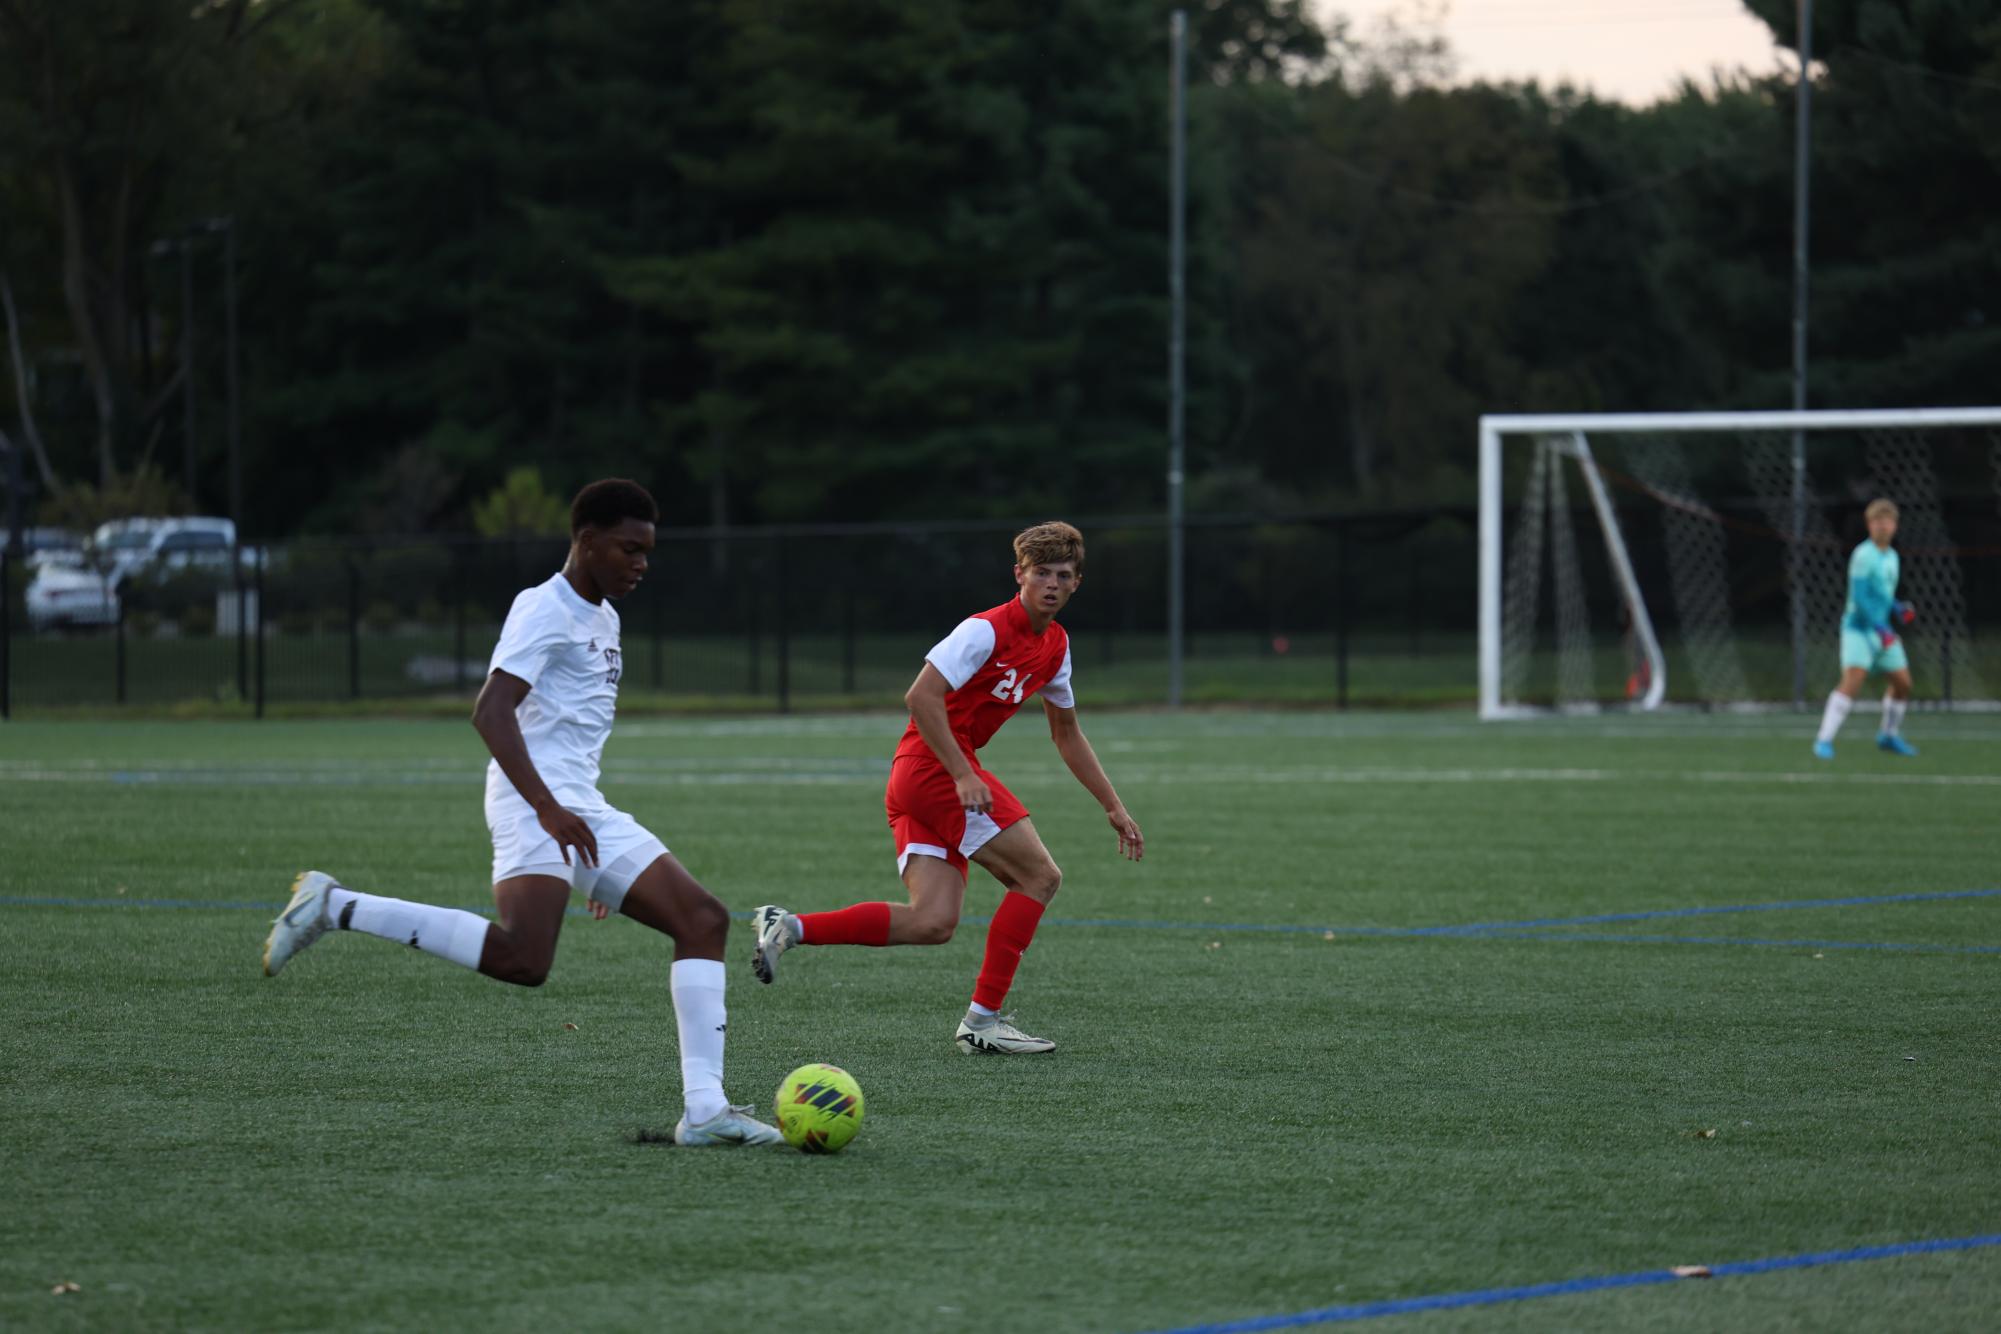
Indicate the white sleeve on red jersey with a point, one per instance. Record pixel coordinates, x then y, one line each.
958 655
1058 690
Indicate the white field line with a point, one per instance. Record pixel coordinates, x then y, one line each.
444 764
1141 729
252 777
788 725
739 772
1215 775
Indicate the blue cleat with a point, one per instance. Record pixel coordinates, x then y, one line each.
1896 745
1823 750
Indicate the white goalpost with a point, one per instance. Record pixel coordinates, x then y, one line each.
1713 568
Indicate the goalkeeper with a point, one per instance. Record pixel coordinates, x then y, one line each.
1869 638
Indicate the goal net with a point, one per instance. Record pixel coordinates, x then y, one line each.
1700 559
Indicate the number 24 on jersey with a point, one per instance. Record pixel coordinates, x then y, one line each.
1006 688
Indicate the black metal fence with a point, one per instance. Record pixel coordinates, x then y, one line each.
1325 609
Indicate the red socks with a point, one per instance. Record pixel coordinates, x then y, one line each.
1012 928
863 924
868 924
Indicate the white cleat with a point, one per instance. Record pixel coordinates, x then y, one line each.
775 935
997 1036
304 920
733 1125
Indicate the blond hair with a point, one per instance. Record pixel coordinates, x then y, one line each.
1879 506
1049 544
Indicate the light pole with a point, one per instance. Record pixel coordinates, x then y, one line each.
188 364
1177 209
10 551
17 487
1802 141
226 224
183 245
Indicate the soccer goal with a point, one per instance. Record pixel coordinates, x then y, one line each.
1700 559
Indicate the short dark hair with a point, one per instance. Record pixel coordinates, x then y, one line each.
605 504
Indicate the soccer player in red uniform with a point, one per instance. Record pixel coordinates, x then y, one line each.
945 809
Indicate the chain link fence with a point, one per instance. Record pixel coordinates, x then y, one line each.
1727 636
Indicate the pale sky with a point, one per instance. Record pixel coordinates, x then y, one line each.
1632 50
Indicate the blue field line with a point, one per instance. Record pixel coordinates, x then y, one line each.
1785 905
1332 1315
1273 928
1530 927
219 905
1537 929
1615 938
1503 931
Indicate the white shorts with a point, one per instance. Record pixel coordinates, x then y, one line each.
625 849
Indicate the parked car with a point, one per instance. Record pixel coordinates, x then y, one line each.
49 546
87 593
130 545
71 595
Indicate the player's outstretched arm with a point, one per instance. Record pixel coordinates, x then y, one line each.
493 718
1075 748
926 701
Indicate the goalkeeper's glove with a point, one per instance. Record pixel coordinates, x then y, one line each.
1902 613
1886 634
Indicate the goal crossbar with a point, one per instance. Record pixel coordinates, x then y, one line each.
1825 418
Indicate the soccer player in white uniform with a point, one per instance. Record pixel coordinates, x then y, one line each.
1869 641
544 713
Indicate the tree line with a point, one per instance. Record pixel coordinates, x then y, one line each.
867 259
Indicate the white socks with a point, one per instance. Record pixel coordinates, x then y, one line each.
1838 706
701 1017
449 933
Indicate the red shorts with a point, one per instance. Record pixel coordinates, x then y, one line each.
926 819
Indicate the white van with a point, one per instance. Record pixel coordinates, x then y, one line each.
87 594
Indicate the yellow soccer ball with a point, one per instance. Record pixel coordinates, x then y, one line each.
819 1108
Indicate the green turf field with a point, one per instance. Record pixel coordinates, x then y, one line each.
1278 1088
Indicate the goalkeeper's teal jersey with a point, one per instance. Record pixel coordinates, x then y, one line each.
1872 587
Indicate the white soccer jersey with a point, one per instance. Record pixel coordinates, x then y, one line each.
567 650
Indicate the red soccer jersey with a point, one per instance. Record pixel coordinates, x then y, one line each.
994 661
